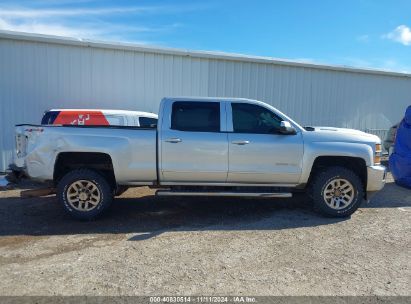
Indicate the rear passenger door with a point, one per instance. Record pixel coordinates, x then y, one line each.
193 148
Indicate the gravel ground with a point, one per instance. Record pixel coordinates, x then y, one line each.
200 246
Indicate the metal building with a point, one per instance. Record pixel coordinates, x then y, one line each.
39 72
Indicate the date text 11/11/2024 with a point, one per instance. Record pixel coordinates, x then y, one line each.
202 299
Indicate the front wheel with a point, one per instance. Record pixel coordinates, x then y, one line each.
337 192
84 194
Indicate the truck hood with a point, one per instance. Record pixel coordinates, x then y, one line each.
340 135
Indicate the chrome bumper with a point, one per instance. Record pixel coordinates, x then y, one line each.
375 178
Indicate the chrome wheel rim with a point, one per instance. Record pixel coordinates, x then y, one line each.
338 193
83 195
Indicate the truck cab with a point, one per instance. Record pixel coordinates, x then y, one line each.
228 141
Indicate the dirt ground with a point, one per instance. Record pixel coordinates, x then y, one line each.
198 246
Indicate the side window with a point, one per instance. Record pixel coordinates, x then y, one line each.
196 116
49 117
115 120
147 122
249 118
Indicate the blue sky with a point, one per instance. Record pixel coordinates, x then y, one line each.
360 33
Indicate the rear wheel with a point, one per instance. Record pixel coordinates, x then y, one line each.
84 194
337 192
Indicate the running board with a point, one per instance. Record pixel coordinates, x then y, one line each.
223 193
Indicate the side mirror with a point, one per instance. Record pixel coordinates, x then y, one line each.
287 129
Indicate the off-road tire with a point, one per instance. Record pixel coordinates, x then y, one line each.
320 182
104 190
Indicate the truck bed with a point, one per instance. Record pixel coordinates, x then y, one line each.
132 149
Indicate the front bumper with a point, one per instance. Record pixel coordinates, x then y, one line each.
375 178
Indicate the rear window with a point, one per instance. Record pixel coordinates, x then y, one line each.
196 116
147 122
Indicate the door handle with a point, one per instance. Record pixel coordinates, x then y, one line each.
240 142
173 140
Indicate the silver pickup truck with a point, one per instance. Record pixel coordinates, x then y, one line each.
204 146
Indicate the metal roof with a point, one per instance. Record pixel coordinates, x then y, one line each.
190 53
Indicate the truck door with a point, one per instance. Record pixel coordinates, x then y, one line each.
193 148
258 153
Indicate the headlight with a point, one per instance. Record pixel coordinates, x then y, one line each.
377 156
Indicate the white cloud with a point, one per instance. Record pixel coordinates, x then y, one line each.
100 30
80 22
65 12
48 29
401 34
90 19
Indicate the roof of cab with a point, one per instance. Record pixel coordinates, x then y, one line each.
199 98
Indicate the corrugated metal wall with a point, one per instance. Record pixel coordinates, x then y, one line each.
35 76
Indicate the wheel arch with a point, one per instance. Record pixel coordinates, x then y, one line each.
355 164
97 161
